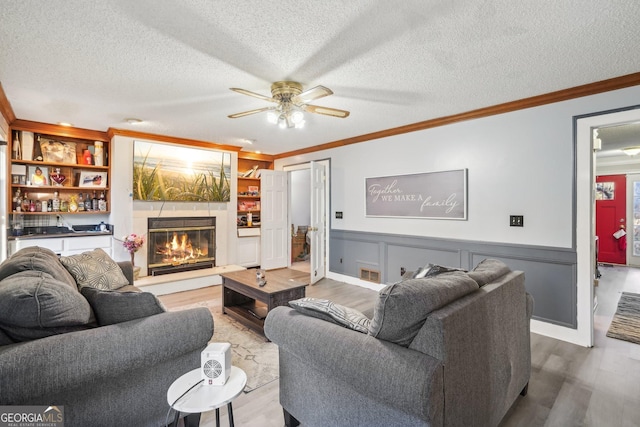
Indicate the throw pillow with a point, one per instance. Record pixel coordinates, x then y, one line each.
34 305
430 270
332 312
95 269
112 307
488 270
35 258
403 307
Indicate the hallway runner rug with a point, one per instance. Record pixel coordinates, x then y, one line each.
250 351
626 322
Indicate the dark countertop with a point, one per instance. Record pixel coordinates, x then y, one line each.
57 232
63 234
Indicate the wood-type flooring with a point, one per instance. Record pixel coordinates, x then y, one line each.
570 385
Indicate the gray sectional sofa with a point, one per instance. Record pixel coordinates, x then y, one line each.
451 349
88 340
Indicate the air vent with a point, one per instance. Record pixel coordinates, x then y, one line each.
370 275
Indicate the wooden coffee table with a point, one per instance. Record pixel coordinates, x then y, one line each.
247 302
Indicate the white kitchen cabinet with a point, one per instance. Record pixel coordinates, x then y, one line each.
66 246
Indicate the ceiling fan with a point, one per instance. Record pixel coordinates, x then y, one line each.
291 103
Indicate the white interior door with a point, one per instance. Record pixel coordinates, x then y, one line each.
317 231
274 228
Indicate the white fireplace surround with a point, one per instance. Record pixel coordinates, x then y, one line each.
130 216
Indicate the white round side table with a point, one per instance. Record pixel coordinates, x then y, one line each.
203 398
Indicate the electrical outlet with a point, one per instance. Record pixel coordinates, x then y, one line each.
516 221
339 215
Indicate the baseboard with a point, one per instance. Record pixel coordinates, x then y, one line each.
354 281
184 281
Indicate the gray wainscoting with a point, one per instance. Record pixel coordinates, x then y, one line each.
550 273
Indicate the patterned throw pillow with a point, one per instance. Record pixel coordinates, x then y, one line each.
95 269
431 270
332 312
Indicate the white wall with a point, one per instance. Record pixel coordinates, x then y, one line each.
300 196
519 163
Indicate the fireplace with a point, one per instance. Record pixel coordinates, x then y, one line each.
180 244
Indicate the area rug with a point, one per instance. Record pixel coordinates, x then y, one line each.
250 351
626 322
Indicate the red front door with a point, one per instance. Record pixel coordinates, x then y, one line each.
611 208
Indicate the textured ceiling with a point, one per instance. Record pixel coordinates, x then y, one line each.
171 63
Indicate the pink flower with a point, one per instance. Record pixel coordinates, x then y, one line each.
133 242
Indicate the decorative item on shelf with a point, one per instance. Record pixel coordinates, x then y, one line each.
251 172
93 179
87 157
25 202
58 151
73 204
38 175
58 177
55 203
132 243
99 153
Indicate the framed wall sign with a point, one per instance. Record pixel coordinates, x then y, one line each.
432 195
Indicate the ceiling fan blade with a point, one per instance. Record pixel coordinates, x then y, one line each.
333 112
248 113
311 95
255 95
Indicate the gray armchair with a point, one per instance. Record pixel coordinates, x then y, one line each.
464 364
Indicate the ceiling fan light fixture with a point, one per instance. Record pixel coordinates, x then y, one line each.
297 117
292 102
272 117
282 121
631 151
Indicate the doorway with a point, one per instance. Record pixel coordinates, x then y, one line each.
585 232
309 185
300 219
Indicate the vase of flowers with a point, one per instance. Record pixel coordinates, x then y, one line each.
132 243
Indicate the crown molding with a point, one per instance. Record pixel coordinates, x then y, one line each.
255 156
111 132
69 132
6 110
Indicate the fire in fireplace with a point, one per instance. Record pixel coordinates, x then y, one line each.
180 244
